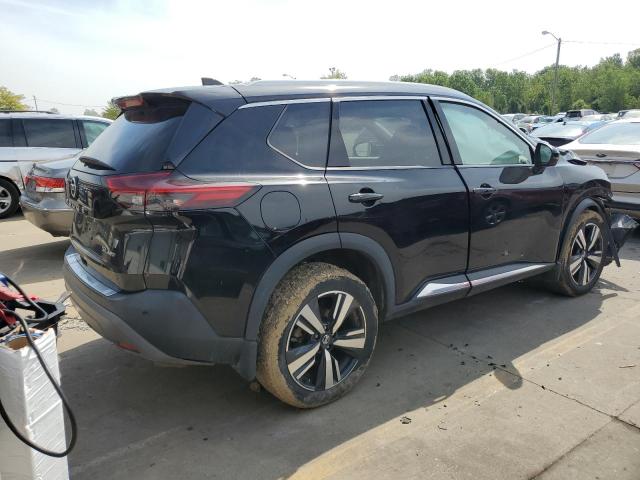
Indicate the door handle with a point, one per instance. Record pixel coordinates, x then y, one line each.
365 197
485 191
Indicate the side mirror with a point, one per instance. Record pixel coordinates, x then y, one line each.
545 156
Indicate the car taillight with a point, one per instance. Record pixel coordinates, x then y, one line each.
170 192
637 164
45 184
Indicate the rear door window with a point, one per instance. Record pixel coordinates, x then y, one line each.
49 133
5 133
302 133
383 133
92 130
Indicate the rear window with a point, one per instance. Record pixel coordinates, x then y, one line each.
5 133
614 134
574 114
570 130
49 133
238 146
144 139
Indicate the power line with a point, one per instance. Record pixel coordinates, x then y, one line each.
68 104
526 54
588 42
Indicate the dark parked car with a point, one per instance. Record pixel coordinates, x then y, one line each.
559 134
272 225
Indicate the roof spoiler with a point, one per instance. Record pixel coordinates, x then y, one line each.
210 81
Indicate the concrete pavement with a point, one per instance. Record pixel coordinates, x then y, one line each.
514 383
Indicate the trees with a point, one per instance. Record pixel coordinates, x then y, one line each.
91 112
335 73
111 111
611 85
10 100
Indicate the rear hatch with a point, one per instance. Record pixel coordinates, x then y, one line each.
618 163
107 186
47 181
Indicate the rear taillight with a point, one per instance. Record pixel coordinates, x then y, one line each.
637 164
170 192
45 184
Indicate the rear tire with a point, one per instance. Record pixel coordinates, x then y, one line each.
317 335
582 256
9 198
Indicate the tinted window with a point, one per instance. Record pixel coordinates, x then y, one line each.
238 146
92 130
302 133
383 133
615 133
49 133
482 140
574 114
5 133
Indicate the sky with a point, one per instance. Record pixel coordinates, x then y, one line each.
86 52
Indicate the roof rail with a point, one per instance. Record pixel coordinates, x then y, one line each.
9 110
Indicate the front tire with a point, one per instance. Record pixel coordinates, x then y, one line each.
317 335
9 198
582 255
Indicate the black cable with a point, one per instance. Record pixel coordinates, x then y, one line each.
25 297
65 402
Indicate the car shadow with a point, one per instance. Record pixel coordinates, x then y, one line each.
35 263
138 420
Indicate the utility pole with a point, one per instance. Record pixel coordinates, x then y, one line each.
36 102
555 73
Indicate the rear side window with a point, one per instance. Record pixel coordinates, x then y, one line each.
383 133
238 146
49 133
5 133
92 130
302 133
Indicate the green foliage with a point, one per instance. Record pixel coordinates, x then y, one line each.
10 100
611 85
111 111
91 112
335 73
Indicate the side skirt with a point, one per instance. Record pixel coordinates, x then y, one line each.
443 290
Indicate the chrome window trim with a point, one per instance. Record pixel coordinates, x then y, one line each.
284 102
379 97
498 118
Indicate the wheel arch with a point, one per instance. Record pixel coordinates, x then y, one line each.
360 255
590 202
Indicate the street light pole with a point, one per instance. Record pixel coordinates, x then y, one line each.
555 73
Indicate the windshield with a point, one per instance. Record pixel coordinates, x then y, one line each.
616 134
570 130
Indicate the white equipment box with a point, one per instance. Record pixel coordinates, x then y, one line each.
34 408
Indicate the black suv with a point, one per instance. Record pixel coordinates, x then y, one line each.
272 225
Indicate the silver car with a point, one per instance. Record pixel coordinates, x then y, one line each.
615 147
33 137
43 202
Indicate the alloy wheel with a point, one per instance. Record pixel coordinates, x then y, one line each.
326 341
5 199
586 254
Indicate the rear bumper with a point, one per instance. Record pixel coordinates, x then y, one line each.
56 221
161 325
628 203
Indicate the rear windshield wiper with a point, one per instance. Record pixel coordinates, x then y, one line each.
95 163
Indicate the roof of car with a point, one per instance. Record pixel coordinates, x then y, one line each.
275 90
48 115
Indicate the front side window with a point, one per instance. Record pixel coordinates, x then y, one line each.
483 140
49 133
302 133
383 133
92 130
